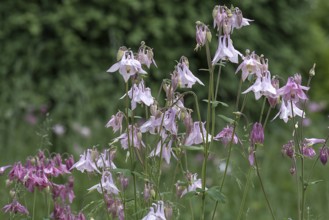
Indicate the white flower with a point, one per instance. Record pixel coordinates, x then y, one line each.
262 86
158 215
226 50
140 94
193 185
286 111
127 66
186 79
86 162
106 184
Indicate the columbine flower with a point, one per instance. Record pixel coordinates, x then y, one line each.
105 160
145 55
135 138
311 141
128 66
308 152
169 121
250 65
86 162
288 111
324 153
293 90
116 122
226 51
15 207
257 134
152 125
193 183
202 33
225 136
238 21
140 94
107 185
3 169
197 135
288 149
166 148
156 215
186 79
273 99
262 86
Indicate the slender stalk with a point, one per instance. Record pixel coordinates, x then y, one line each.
263 189
34 201
210 117
130 148
245 192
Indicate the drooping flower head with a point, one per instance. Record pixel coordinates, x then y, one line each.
197 135
257 134
324 153
225 136
293 90
116 122
156 212
145 55
193 183
186 79
202 35
250 65
226 51
140 94
15 207
107 185
128 66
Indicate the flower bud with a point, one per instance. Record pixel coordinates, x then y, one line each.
12 193
288 149
168 211
257 134
324 152
121 52
312 70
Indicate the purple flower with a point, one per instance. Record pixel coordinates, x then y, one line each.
202 32
257 134
308 152
225 136
251 157
15 207
152 125
186 79
226 51
288 149
197 135
169 121
293 90
140 94
324 152
116 122
311 141
273 99
128 66
106 184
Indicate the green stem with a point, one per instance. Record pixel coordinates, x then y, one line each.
210 115
34 201
245 192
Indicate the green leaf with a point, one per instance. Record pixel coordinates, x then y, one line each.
229 120
215 194
315 182
193 148
215 103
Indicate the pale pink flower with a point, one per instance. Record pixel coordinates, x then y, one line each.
140 94
262 86
105 159
169 121
86 162
3 169
186 79
107 185
156 212
128 66
165 143
116 122
135 138
288 110
225 136
197 135
152 125
226 51
145 55
250 66
193 184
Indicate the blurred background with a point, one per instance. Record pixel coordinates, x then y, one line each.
55 92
